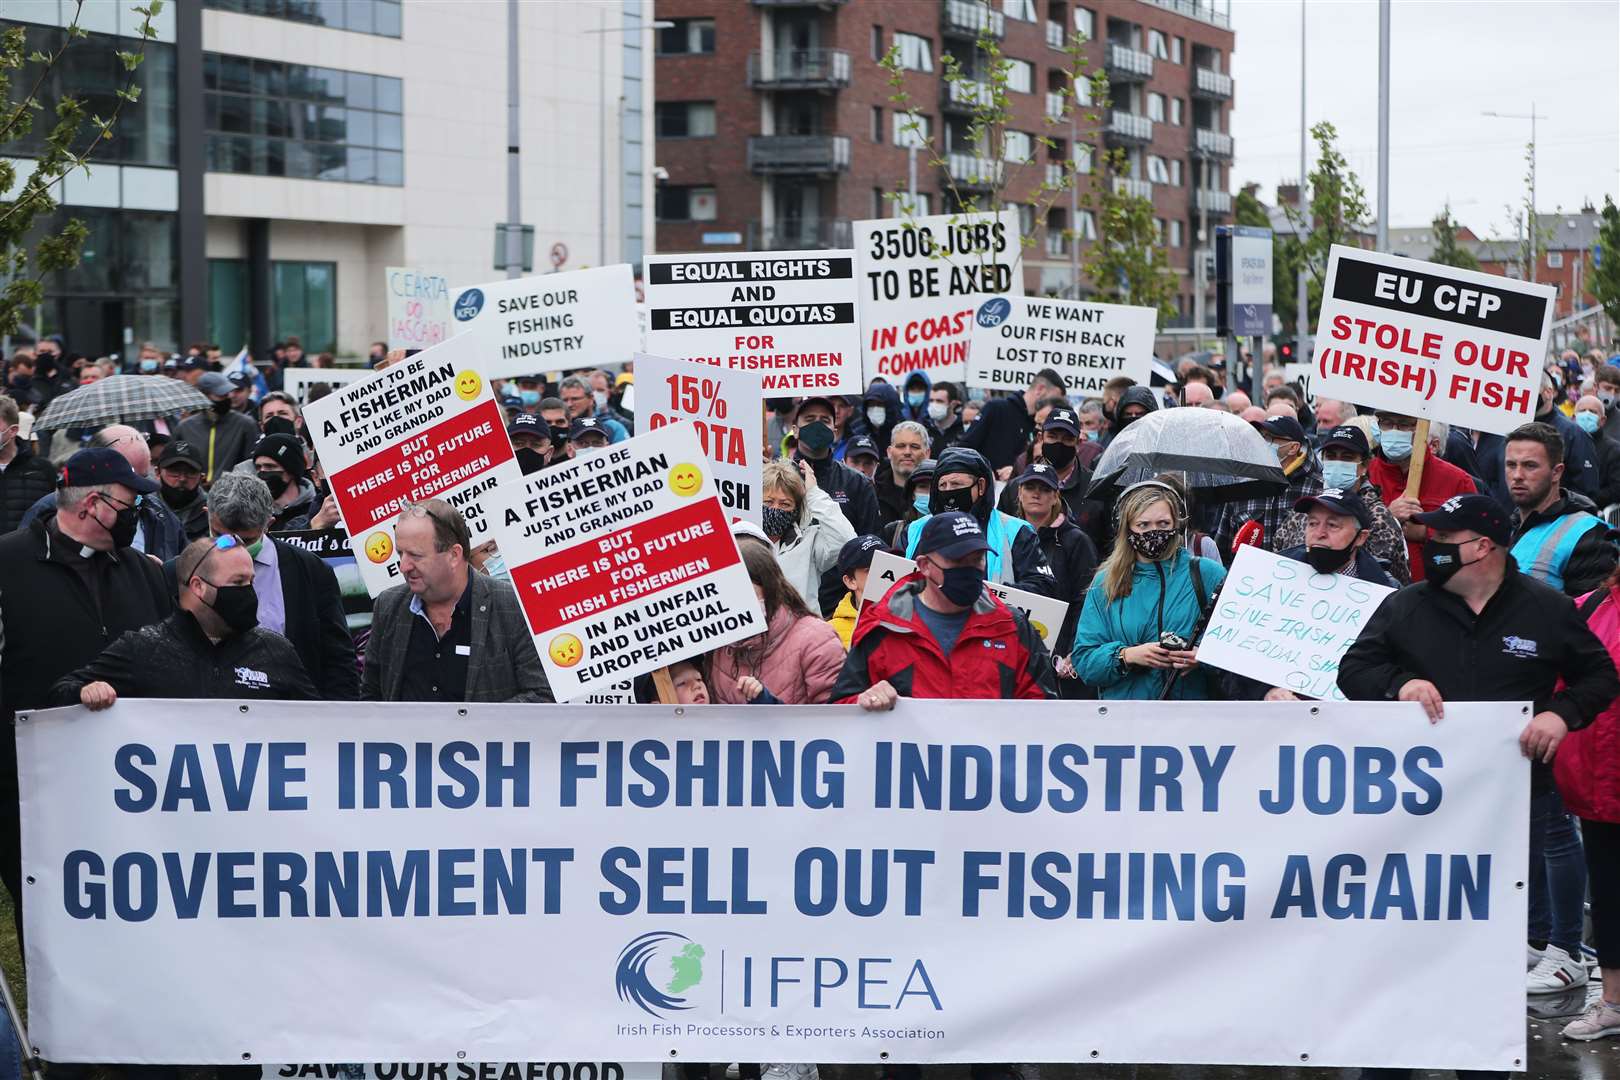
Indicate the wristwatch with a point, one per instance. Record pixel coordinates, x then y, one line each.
1120 661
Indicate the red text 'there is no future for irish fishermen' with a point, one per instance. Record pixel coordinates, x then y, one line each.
439 459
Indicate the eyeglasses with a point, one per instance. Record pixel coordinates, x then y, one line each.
223 542
140 501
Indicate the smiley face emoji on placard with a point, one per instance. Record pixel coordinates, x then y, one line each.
685 480
379 546
566 650
468 384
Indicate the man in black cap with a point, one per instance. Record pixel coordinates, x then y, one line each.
531 442
1058 445
1344 455
24 478
587 433
1069 551
279 461
179 475
940 634
1337 526
815 434
1004 426
862 456
69 585
854 562
221 435
1287 440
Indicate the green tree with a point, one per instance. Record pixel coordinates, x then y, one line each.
1128 263
1605 271
1339 214
1447 251
31 245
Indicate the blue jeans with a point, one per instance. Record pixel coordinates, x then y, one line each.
1557 874
10 1050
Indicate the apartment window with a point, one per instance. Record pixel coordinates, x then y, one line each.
686 36
1082 158
1158 229
1175 172
902 202
1023 10
1177 44
1157 171
1158 46
1017 146
1057 222
1555 260
305 303
1020 76
916 53
686 203
1085 226
1155 104
1175 111
684 119
878 202
877 123
379 17
912 129
1175 234
267 118
1086 23
1026 217
877 42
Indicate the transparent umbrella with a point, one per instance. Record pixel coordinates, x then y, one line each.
1218 453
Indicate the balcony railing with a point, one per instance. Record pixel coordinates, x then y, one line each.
1215 202
1057 245
973 171
797 234
813 154
1129 128
1055 37
1054 174
1123 62
963 94
970 18
1213 143
800 69
1214 85
1056 103
1134 187
798 3
1202 10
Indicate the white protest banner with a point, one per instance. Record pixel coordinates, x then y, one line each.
921 279
957 881
523 326
1015 337
788 315
726 407
1431 341
1279 621
1302 376
1044 613
468 1070
624 562
418 307
297 381
426 428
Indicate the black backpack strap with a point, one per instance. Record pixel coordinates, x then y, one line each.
1205 601
1593 601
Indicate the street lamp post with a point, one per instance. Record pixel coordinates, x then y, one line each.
1530 222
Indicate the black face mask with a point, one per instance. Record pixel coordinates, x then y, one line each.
1325 560
1061 455
529 461
177 498
962 584
222 408
124 525
559 436
237 605
816 437
276 482
1442 561
955 499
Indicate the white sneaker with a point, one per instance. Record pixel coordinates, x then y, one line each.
1557 972
789 1072
1597 1022
1533 957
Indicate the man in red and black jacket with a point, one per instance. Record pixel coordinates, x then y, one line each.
939 634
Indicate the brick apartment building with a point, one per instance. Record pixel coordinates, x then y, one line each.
1568 240
775 125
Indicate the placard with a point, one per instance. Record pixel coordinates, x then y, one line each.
921 280
468 1070
1045 614
624 562
726 406
552 322
332 547
418 307
427 427
1278 621
1014 338
788 315
1431 341
297 381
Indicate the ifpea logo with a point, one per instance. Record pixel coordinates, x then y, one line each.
677 966
469 304
994 311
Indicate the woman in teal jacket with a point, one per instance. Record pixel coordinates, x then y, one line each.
1146 589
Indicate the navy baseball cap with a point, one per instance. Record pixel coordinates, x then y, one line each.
857 553
1476 513
99 465
180 452
1348 437
862 446
1281 427
191 363
952 535
1062 419
1041 473
587 425
1338 501
827 401
525 424
239 379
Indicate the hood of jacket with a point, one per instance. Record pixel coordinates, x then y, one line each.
921 411
1137 395
957 459
886 395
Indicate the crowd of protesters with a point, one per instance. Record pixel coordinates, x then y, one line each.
151 559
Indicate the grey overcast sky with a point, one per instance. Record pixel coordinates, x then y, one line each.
1450 60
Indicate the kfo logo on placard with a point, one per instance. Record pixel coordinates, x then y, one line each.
656 970
469 304
994 311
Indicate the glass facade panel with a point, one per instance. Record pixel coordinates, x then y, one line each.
381 17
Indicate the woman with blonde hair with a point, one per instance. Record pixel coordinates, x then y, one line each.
806 528
1146 604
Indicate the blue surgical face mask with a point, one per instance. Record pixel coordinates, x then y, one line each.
149 366
1588 422
1397 444
1091 435
1339 474
915 398
920 501
530 398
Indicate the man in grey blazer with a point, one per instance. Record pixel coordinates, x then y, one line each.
448 633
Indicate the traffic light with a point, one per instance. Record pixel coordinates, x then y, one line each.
1286 351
